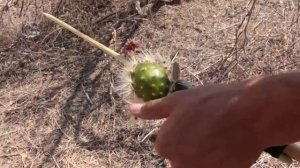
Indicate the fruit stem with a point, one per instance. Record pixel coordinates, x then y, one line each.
92 41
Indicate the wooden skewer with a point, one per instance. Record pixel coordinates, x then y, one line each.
92 41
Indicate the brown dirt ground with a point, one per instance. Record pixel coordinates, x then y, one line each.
57 105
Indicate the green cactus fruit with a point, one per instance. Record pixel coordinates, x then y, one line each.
150 81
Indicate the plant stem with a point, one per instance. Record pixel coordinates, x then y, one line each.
92 41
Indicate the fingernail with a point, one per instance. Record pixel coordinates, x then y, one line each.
135 108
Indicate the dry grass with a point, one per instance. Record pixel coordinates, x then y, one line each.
57 108
17 17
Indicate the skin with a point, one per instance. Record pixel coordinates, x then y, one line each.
226 125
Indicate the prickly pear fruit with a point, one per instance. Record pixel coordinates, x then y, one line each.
150 81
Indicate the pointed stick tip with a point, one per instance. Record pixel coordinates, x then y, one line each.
46 14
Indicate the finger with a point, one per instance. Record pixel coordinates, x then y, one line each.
155 109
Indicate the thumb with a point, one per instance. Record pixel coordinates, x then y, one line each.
155 109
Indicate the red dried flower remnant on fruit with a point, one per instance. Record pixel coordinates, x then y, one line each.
130 47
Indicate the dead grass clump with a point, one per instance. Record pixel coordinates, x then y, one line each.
18 18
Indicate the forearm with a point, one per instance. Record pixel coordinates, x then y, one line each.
275 101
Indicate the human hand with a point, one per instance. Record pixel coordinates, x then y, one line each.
203 129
